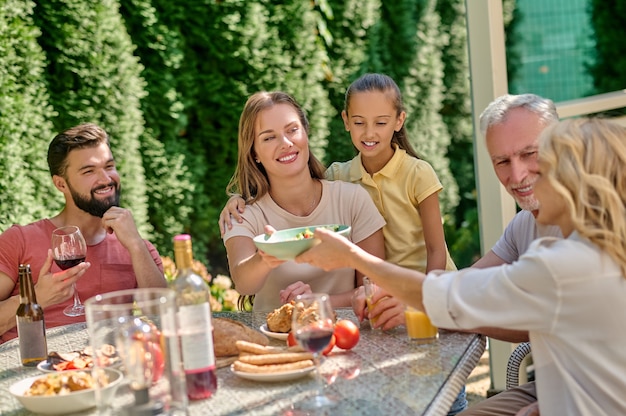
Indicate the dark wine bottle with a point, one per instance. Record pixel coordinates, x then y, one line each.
195 328
31 329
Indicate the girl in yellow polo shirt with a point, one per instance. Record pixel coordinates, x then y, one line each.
404 188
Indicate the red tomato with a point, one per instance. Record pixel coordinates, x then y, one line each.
291 340
158 361
346 334
152 354
331 344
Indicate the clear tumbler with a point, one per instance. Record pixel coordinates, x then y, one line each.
135 331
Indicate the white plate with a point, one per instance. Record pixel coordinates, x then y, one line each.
278 335
67 403
285 376
46 367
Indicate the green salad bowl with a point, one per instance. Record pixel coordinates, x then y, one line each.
287 244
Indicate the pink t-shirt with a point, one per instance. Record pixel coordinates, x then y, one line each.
111 267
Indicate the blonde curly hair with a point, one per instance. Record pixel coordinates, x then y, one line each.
585 162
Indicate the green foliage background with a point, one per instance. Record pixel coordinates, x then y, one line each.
609 61
168 80
26 191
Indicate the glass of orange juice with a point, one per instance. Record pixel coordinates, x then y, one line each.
370 290
418 325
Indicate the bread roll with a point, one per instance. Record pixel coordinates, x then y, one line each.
226 332
279 320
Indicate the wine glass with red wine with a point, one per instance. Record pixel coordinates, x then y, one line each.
313 324
69 249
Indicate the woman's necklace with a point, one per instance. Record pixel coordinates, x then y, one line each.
312 207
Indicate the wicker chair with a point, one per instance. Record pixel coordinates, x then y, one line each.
515 360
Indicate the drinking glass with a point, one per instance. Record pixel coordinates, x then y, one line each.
312 325
370 291
418 326
138 329
69 249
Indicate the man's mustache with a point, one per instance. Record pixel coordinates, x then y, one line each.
112 183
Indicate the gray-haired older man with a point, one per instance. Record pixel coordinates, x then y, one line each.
511 125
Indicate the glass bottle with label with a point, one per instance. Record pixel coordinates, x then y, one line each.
195 328
31 329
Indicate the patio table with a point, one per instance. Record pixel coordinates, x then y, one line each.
384 374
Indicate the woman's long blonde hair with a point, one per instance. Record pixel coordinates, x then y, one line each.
250 178
585 162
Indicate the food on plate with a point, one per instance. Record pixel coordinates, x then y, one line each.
83 359
76 362
307 315
291 340
279 320
272 368
62 383
226 332
280 358
252 348
246 347
347 334
263 359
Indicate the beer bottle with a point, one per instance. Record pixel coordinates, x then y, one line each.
31 329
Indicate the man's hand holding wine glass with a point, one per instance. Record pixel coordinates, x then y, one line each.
54 288
69 249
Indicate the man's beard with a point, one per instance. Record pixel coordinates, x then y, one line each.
94 206
528 203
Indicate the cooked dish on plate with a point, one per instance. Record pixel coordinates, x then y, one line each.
279 320
66 392
79 360
59 384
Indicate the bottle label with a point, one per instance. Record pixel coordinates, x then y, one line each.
196 336
32 339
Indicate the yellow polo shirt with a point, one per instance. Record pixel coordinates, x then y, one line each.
397 190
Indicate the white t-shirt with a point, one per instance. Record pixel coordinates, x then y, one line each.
519 234
571 297
341 203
